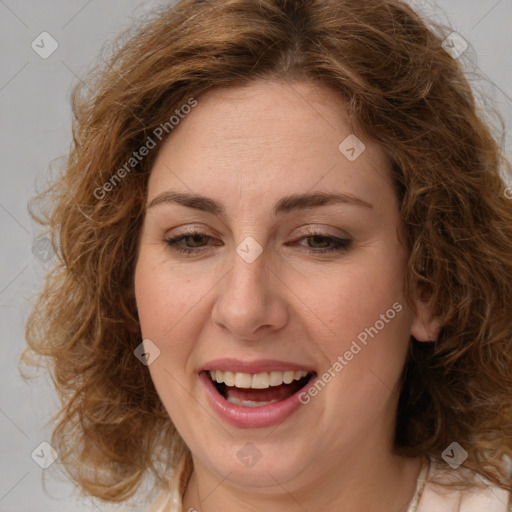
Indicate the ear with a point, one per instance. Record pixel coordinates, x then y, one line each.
425 326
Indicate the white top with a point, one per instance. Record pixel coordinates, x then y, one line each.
429 497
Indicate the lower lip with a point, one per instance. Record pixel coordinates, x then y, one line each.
251 417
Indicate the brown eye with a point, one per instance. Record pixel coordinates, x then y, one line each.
319 243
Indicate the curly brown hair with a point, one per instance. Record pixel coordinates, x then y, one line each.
403 91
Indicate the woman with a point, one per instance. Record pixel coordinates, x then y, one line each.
286 265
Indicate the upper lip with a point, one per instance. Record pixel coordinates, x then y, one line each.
257 366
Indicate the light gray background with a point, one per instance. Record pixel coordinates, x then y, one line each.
35 125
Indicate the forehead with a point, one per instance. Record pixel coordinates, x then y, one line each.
266 140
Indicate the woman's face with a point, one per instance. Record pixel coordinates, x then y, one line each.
293 269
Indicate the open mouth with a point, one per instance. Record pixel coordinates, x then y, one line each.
257 390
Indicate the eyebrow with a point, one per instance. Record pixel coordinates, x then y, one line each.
284 205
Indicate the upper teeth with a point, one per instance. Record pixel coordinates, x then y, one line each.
257 380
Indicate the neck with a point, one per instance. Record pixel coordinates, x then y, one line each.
369 484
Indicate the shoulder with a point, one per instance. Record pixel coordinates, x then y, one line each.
481 497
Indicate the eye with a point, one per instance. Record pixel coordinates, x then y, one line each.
333 243
199 240
196 236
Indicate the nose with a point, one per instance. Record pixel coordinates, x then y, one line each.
250 301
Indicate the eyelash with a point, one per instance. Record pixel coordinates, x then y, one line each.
339 244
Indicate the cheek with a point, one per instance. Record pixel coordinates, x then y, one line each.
171 309
160 309
370 330
152 302
354 298
162 296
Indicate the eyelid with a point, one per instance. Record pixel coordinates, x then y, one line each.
337 244
318 230
187 228
324 231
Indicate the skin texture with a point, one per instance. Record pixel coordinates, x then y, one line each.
247 148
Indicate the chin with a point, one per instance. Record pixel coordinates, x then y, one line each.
256 464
